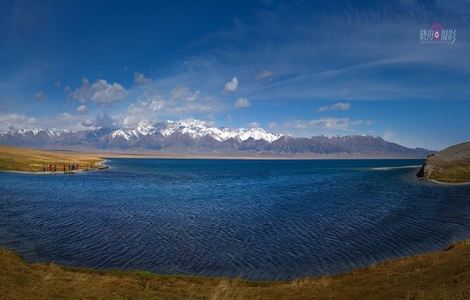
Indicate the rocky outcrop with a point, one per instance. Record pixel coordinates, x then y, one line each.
426 169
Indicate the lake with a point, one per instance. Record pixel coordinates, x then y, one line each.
254 219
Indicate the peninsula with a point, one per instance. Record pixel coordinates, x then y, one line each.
451 165
33 160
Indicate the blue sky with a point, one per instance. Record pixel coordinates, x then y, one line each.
299 67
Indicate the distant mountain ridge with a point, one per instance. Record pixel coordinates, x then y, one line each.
194 136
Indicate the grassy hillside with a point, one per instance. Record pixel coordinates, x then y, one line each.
32 160
437 275
450 165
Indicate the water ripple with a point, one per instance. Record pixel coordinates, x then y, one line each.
252 219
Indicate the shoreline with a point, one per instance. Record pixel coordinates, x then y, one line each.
253 280
429 275
234 277
245 156
101 167
447 183
56 172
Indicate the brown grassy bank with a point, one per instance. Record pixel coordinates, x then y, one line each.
451 165
436 275
33 160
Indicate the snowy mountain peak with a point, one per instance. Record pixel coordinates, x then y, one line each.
195 129
35 131
145 128
198 129
259 134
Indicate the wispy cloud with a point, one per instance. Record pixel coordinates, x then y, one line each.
83 109
324 123
60 121
184 93
321 126
40 96
242 103
140 78
336 106
264 74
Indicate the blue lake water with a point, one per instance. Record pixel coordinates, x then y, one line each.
250 219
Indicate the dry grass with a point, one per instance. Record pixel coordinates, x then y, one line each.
437 275
32 160
450 165
454 175
451 171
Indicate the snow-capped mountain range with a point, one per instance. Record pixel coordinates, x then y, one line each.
195 129
194 136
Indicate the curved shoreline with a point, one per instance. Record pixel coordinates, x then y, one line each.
438 274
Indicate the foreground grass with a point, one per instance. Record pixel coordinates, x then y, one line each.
32 160
437 275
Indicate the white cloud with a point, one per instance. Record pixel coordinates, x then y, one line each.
254 125
100 92
82 94
241 103
15 120
40 96
87 123
333 124
60 121
273 125
83 109
105 93
184 93
322 126
388 135
336 106
146 108
232 85
265 74
324 123
139 78
101 121
181 102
